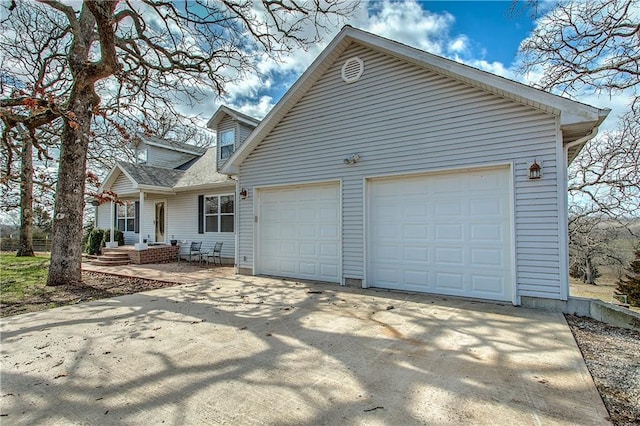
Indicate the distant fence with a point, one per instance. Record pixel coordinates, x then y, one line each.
11 244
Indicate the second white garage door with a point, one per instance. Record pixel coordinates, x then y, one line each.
299 232
446 233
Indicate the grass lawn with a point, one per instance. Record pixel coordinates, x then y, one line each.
22 277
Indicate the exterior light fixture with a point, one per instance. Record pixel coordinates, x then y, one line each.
535 170
244 193
352 160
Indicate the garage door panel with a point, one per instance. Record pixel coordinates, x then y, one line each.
448 234
298 233
487 284
448 208
487 232
415 278
449 256
328 231
488 257
449 281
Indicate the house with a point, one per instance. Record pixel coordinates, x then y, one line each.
174 190
386 166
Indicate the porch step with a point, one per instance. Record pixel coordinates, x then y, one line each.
111 258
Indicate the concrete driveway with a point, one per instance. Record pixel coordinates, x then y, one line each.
245 350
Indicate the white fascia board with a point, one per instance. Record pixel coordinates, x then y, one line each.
113 175
152 189
146 140
230 184
570 111
225 110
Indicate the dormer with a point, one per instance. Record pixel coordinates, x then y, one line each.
232 129
156 152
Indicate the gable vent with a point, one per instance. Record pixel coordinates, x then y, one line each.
352 70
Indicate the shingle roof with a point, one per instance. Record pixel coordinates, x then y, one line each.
152 176
202 172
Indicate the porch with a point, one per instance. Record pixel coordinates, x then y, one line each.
153 253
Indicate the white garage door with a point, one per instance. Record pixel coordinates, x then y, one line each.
446 233
299 232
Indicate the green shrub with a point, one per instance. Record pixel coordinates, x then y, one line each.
85 235
118 235
94 242
97 238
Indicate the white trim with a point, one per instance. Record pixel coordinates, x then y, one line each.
440 170
365 233
220 214
563 214
236 254
140 222
258 190
515 293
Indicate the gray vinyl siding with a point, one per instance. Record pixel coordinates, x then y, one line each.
243 133
122 185
402 119
182 222
167 158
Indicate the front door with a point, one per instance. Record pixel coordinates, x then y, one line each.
160 222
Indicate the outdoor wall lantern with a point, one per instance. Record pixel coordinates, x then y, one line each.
352 160
535 170
244 193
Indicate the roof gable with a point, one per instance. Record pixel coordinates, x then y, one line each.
582 119
170 145
223 111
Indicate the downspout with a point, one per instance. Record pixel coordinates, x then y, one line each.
564 212
236 256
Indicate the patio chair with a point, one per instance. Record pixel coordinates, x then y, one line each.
195 252
214 253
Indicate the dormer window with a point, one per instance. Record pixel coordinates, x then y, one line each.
227 142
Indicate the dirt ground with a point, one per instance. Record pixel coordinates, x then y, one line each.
612 354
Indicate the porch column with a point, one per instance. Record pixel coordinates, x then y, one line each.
141 245
112 233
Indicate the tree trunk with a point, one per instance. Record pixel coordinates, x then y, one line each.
66 242
588 271
26 198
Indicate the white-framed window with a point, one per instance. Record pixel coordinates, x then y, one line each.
219 211
227 143
141 156
126 217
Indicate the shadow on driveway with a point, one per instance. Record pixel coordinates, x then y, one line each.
249 350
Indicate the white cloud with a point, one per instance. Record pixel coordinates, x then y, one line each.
406 22
257 110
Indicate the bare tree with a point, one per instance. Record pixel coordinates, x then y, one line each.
146 51
593 47
29 63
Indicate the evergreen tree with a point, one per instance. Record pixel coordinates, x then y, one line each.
629 284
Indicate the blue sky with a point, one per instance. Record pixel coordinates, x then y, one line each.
482 34
494 31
